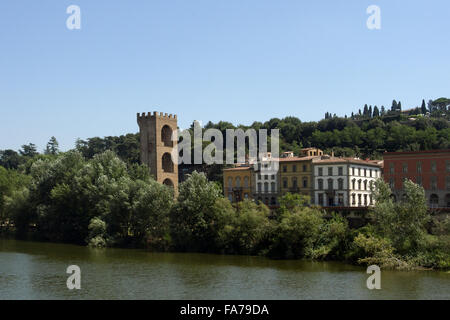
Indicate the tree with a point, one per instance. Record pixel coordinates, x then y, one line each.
403 222
52 146
192 218
10 159
376 112
423 108
28 150
394 105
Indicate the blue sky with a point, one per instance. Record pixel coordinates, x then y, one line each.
235 60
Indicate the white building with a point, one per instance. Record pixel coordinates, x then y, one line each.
344 182
266 180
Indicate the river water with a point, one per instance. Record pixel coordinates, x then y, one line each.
35 270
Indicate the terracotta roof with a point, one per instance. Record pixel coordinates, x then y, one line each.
416 152
346 160
237 168
291 159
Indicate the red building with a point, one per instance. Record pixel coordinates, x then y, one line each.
430 169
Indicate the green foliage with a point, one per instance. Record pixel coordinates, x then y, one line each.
98 201
375 250
193 216
248 227
403 222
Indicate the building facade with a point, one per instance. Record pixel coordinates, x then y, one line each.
430 169
296 175
265 178
344 182
237 183
157 144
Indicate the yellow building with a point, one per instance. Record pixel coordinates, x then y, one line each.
237 183
296 175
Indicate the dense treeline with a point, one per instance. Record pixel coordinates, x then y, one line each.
104 201
366 134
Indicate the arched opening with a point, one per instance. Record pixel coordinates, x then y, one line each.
166 136
167 164
434 201
168 183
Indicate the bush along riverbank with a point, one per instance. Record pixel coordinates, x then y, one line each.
105 202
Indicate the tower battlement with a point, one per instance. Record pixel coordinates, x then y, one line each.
156 114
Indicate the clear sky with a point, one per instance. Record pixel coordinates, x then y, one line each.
234 60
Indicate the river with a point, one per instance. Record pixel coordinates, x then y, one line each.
35 270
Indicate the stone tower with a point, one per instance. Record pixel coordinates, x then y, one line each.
156 146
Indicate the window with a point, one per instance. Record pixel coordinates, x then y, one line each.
353 199
294 183
340 171
305 183
365 199
320 184
434 201
259 176
259 187
305 168
330 171
238 182
245 182
273 187
340 199
419 167
433 166
353 184
230 197
391 168
294 168
167 163
391 183
230 182
320 171
266 187
266 177
359 171
340 184
330 184
285 183
359 200
370 173
371 199
365 172
433 183
359 184
447 182
272 177
284 168
405 167
273 201
365 184
419 180
320 199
